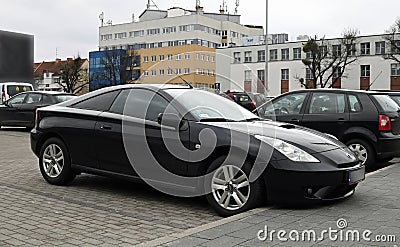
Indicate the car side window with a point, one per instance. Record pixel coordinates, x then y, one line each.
145 104
100 102
33 98
119 103
289 104
327 103
355 104
19 99
47 99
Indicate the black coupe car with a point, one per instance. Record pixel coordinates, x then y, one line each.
189 142
19 111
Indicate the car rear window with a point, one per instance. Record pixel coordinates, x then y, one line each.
16 89
386 103
396 99
62 98
242 98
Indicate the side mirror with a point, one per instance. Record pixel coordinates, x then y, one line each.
170 120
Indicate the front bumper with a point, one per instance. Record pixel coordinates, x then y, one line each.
35 137
289 186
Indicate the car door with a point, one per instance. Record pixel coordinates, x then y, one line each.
120 141
10 110
327 112
288 108
28 108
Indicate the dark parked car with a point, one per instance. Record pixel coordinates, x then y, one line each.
250 101
124 131
20 110
366 121
395 95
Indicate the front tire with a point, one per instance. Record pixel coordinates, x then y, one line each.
231 189
55 162
364 151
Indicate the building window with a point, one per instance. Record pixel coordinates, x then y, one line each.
202 72
162 57
351 49
309 75
169 71
146 73
247 75
197 71
161 72
213 73
237 57
178 57
309 55
261 56
248 57
285 74
146 59
187 71
212 59
169 57
337 72
365 48
153 58
296 53
153 72
365 70
380 48
285 54
187 56
208 58
337 50
169 29
197 56
323 50
178 71
153 31
395 69
202 57
273 55
261 75
120 36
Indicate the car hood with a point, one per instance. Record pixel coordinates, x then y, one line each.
308 139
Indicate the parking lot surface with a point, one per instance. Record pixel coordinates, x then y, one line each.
97 211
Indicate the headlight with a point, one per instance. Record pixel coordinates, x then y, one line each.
291 152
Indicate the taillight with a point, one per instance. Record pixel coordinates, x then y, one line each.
3 96
253 104
384 123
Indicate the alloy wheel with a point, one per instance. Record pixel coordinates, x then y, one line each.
230 187
360 151
53 160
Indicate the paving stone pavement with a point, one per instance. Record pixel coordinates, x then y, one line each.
97 211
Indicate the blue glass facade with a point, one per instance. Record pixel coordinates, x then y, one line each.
101 74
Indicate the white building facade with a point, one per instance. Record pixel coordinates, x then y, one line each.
243 68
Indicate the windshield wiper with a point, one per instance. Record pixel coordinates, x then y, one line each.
217 120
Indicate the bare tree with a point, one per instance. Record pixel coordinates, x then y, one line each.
392 38
73 77
327 62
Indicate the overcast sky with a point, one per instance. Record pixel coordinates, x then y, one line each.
71 26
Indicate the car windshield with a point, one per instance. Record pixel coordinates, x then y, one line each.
16 89
206 106
64 97
387 104
396 99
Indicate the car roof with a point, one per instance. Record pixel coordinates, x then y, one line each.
339 90
154 87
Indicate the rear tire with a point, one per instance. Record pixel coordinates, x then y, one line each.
363 151
229 195
55 162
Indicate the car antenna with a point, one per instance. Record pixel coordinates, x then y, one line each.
187 83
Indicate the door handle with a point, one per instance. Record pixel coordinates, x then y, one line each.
341 120
105 127
295 120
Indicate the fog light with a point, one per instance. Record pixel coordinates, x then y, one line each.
309 191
